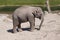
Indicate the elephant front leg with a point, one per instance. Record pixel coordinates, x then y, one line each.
19 28
31 19
32 25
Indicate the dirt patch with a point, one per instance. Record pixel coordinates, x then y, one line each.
50 29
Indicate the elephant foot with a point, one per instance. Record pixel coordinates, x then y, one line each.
32 30
14 31
20 30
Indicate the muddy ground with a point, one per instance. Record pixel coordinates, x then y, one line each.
50 29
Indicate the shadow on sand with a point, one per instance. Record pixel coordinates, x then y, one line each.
24 29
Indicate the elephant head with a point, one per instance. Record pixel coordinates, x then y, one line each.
38 13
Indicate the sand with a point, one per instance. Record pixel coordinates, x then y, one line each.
50 29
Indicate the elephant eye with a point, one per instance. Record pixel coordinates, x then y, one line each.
37 12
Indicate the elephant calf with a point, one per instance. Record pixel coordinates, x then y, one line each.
27 13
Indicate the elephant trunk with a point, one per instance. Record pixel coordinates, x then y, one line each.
42 19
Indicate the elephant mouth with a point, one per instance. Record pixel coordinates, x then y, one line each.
39 17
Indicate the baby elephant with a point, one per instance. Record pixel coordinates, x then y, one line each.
27 13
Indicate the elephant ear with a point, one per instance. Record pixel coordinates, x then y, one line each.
34 12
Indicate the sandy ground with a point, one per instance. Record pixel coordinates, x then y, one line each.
50 29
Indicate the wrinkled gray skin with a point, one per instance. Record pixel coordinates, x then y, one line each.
27 13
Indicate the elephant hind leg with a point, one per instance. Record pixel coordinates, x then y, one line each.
15 23
19 28
14 29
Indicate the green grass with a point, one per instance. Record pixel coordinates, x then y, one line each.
21 2
54 2
28 2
